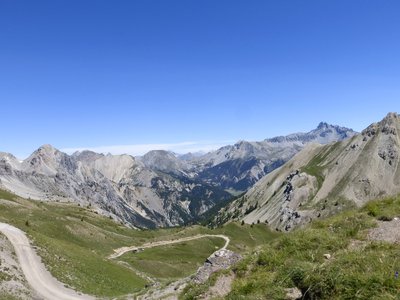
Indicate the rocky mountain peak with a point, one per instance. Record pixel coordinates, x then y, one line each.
323 125
44 153
323 134
388 125
165 161
7 156
46 149
87 156
243 145
48 160
8 162
391 117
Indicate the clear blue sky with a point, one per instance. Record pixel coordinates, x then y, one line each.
80 74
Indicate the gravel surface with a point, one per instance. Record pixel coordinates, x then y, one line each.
41 281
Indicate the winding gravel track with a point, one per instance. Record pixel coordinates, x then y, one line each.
42 282
123 250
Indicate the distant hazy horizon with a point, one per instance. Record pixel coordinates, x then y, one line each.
191 75
193 147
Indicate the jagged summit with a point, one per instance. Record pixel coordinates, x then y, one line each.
9 162
323 125
45 150
394 116
48 160
323 134
6 155
388 125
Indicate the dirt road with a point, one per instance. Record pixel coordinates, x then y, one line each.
41 281
172 290
123 250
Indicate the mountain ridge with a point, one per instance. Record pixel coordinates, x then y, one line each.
156 190
324 179
239 166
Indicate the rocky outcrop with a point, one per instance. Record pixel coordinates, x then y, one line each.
220 260
293 294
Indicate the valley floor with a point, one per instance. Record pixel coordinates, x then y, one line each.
121 251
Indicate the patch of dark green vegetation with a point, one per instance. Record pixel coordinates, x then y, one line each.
332 206
314 167
5 276
384 210
207 219
9 297
230 212
346 179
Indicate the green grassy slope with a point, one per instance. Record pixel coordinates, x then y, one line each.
358 268
74 243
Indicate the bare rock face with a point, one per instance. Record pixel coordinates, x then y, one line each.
220 260
118 186
48 161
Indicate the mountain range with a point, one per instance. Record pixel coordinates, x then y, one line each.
160 188
324 179
237 167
